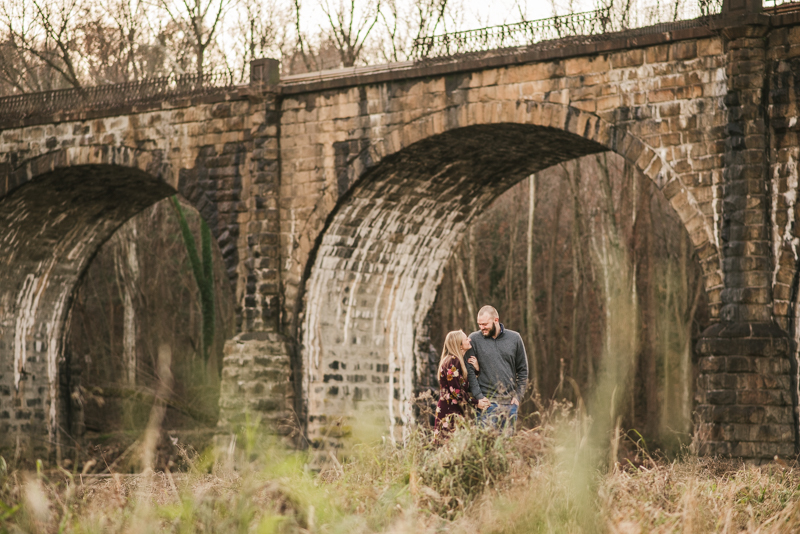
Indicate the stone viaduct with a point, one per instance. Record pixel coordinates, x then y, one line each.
338 197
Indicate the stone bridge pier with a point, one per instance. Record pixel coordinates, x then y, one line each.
337 198
747 384
68 181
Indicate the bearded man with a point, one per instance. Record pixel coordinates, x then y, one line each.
504 371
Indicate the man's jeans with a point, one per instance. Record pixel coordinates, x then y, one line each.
501 417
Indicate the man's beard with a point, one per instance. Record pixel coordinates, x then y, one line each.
492 332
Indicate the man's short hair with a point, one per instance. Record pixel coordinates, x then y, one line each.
488 311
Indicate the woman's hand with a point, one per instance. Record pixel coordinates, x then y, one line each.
474 361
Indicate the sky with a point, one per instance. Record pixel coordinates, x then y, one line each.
506 11
467 14
474 13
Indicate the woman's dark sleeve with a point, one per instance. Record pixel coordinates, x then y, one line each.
451 380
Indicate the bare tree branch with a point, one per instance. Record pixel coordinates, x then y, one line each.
349 41
192 17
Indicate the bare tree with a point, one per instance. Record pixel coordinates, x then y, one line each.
200 21
42 37
392 20
301 43
259 32
47 44
124 24
531 315
18 69
350 27
579 359
404 24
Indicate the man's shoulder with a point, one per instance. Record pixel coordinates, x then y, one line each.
512 334
476 335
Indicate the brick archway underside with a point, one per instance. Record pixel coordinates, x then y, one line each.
50 229
380 260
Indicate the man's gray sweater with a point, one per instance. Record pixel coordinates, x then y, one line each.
503 364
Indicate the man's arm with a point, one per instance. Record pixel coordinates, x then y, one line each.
521 364
474 388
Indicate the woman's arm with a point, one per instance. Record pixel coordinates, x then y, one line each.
454 384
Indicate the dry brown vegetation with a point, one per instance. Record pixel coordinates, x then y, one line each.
545 479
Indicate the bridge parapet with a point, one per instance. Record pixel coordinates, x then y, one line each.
114 99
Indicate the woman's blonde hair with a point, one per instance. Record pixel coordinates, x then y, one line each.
452 347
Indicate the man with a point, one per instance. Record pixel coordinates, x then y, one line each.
504 371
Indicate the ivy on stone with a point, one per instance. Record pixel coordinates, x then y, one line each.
202 267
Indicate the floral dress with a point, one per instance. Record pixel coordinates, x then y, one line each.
453 396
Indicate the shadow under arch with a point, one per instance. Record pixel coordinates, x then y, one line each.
51 226
581 124
56 211
373 275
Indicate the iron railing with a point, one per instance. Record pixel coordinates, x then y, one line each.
778 6
16 108
675 11
511 35
588 26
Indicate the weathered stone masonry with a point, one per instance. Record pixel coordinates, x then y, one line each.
338 200
68 185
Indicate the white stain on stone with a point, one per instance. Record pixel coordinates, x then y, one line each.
392 357
715 205
369 292
788 237
715 209
54 333
292 233
27 304
350 306
785 235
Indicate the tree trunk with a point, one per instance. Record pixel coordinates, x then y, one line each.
467 297
152 432
549 355
634 318
530 308
126 261
201 52
577 363
509 272
472 251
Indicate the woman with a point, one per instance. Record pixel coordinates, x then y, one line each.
453 384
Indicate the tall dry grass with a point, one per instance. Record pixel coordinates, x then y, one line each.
477 482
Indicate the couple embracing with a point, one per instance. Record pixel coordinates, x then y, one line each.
487 369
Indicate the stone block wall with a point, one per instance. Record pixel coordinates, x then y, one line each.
66 186
257 383
660 106
709 117
744 396
783 71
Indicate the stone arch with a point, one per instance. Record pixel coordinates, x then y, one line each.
150 162
644 158
373 274
57 211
